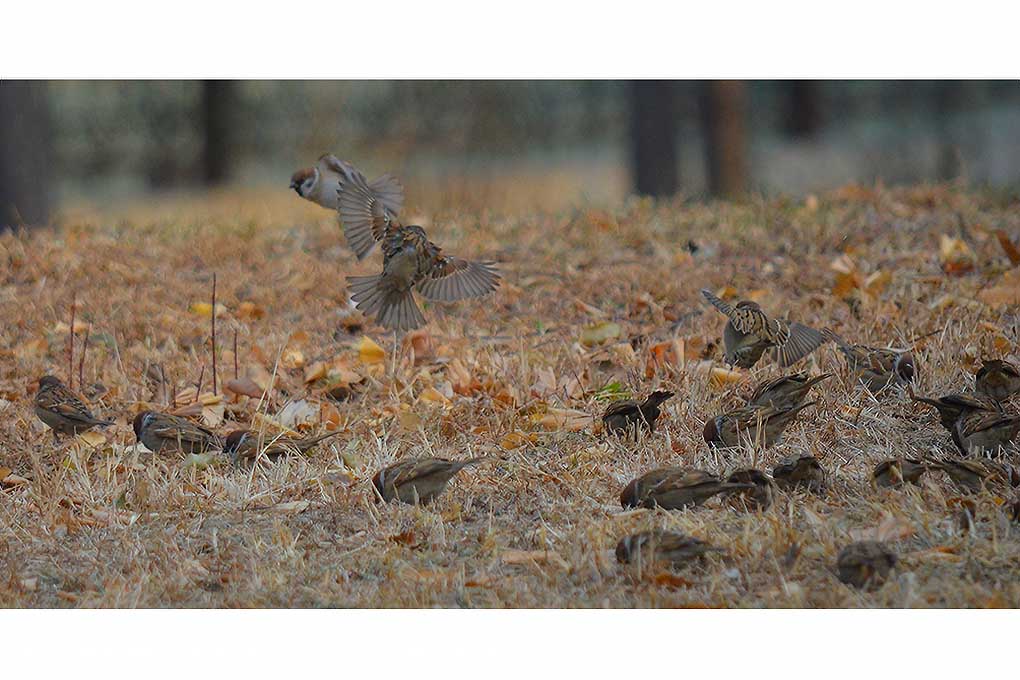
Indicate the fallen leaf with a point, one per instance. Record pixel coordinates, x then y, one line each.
298 413
534 557
1005 292
243 386
957 257
92 438
370 352
672 580
316 371
205 309
566 419
293 358
600 333
719 376
515 440
433 396
1007 245
889 529
199 461
290 508
249 310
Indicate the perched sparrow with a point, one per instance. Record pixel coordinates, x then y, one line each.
865 564
759 497
975 475
892 474
244 444
320 183
803 471
648 547
952 406
161 432
757 425
998 378
875 367
62 409
625 417
674 488
749 332
418 480
985 432
786 391
410 261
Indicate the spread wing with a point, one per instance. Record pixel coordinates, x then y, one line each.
724 307
452 278
801 341
362 213
390 192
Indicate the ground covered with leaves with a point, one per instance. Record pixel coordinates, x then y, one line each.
596 304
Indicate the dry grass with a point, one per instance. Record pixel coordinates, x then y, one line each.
107 525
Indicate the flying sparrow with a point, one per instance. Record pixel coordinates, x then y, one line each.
244 444
418 480
865 564
975 475
319 184
63 410
625 417
410 260
786 391
756 425
800 471
759 497
161 432
952 406
876 368
893 474
985 432
998 379
648 547
674 488
749 332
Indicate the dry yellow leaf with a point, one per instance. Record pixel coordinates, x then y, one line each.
249 310
316 371
409 420
570 420
720 377
876 282
293 358
92 438
205 309
600 333
433 396
515 440
243 386
534 557
370 352
956 255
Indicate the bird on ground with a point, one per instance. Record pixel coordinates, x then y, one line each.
894 473
418 480
161 432
952 407
758 426
986 432
758 497
979 474
865 564
245 445
749 332
675 488
656 546
786 391
410 262
800 472
63 410
627 416
998 379
875 367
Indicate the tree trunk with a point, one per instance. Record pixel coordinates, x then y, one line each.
27 175
724 112
217 106
653 138
803 115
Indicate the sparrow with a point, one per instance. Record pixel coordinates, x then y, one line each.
759 497
244 444
800 471
319 184
865 564
63 410
985 432
749 332
410 261
876 368
648 547
975 475
625 417
786 391
675 488
161 432
952 406
998 379
418 480
756 425
893 474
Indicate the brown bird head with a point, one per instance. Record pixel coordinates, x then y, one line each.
234 441
140 422
711 431
50 381
905 367
303 180
629 495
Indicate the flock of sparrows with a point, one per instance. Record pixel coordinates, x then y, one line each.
982 423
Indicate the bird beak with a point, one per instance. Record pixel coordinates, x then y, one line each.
296 186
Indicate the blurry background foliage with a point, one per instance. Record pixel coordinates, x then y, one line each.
601 140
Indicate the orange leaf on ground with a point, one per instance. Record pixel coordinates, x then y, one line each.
1007 245
370 352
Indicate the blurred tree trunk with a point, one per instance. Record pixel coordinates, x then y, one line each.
26 154
803 115
217 109
949 98
653 137
724 120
